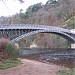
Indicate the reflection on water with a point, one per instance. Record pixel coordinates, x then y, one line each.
63 58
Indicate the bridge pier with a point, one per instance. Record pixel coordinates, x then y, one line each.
72 45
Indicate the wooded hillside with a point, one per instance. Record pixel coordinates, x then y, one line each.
59 13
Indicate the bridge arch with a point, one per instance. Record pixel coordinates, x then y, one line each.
60 33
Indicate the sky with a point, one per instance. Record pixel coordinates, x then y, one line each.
12 7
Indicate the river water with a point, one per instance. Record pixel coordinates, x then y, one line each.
62 57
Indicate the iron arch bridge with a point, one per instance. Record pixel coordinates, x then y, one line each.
18 31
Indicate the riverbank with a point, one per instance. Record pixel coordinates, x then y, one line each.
31 67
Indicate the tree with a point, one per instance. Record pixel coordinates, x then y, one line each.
34 8
70 23
21 1
30 10
51 1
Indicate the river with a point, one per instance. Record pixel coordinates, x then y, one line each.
62 57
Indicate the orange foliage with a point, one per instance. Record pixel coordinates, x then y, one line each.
3 43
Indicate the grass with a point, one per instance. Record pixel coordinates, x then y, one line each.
69 71
8 63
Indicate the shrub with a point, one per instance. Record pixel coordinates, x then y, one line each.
7 49
3 53
11 51
3 43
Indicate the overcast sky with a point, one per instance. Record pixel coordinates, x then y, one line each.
14 6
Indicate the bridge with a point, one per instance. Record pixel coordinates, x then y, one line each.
15 32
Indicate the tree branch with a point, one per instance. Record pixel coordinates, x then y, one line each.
5 4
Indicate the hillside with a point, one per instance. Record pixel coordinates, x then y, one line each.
54 13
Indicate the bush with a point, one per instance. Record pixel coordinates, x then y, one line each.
7 49
11 51
3 53
3 43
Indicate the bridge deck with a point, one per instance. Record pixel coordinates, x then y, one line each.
28 26
30 29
